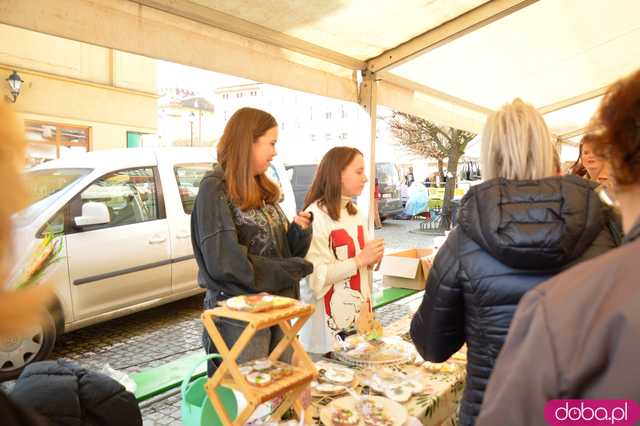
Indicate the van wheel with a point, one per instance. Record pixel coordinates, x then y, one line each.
18 351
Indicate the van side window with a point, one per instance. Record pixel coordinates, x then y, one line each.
188 177
130 196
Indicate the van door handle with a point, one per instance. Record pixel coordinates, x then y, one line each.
157 240
183 236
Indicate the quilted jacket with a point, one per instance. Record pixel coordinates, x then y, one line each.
511 236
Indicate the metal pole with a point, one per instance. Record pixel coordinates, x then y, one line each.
368 100
191 123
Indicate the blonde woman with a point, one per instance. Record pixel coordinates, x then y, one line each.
594 352
520 227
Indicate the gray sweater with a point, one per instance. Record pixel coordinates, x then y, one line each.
577 336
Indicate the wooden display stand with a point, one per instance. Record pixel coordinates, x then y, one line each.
229 375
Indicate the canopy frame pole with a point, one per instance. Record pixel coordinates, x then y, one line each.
368 92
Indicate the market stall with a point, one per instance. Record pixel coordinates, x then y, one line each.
379 367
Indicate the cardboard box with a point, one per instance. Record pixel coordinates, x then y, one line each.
407 269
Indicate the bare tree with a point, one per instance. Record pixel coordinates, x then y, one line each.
430 140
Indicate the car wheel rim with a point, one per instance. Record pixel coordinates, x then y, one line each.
18 351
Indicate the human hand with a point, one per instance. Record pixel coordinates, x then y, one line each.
371 253
303 219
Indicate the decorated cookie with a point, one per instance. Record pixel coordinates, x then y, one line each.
262 364
344 417
259 379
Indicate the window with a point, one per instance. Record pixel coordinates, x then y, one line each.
50 141
328 115
135 139
54 225
46 187
130 195
188 177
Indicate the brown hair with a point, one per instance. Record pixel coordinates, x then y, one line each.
326 188
618 119
234 155
18 309
578 168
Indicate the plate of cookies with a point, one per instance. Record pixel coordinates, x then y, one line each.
366 411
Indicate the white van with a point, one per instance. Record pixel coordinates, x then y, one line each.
124 217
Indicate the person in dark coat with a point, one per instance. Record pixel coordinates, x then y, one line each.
514 231
577 336
242 240
65 394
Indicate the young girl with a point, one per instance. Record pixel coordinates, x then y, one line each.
340 251
241 238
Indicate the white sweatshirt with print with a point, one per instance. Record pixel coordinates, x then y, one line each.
337 287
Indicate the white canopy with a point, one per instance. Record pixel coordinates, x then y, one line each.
451 61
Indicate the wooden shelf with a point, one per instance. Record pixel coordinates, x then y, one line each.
290 321
262 319
262 394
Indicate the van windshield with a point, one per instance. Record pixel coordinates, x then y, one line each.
45 187
387 174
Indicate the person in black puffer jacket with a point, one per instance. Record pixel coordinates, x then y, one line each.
514 231
65 394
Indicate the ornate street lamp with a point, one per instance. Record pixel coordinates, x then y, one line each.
15 84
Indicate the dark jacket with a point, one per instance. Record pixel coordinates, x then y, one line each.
14 415
511 236
67 395
576 336
231 259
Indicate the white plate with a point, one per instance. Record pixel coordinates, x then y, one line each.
396 412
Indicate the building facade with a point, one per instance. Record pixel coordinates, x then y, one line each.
77 97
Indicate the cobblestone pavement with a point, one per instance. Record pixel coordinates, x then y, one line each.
157 336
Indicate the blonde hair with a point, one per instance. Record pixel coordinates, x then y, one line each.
516 144
18 309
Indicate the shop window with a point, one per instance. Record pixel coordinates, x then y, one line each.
50 141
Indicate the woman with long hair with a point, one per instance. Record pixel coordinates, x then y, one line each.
521 226
589 165
242 240
341 250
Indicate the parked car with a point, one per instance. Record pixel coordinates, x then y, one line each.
301 177
124 220
390 204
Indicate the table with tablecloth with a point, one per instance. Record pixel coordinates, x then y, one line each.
437 405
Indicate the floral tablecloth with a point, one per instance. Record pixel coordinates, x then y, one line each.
437 405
